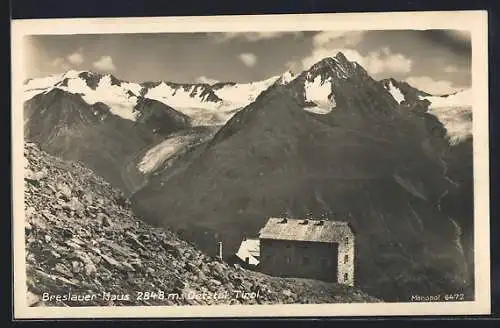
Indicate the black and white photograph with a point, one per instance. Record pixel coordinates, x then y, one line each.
320 164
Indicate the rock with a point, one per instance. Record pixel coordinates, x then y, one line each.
137 263
62 269
103 220
49 216
247 286
172 249
133 239
66 233
127 266
111 261
33 177
76 266
215 282
64 191
287 293
191 267
73 205
27 227
32 299
28 212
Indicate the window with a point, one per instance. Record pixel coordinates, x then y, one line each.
347 240
346 276
305 261
346 258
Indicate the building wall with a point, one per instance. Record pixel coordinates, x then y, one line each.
299 259
324 261
346 260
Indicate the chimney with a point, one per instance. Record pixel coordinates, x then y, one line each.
283 220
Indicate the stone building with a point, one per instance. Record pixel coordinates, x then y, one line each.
317 249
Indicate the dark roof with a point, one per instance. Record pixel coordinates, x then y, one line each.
305 230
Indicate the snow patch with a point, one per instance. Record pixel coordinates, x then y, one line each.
157 155
242 94
459 99
396 93
455 112
180 97
116 97
112 95
320 93
287 77
318 110
456 120
43 82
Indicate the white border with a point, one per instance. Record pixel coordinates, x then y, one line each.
474 21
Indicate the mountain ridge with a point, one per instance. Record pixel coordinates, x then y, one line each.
368 161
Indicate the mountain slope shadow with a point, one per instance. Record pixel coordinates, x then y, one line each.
63 124
274 158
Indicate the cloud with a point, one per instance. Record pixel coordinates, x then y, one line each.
248 58
105 63
251 36
76 58
450 69
207 80
375 62
337 39
329 43
60 63
428 84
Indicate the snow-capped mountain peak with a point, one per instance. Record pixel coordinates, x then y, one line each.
336 67
206 104
454 111
286 77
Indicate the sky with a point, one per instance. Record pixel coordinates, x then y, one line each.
436 61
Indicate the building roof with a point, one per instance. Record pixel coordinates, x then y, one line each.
249 248
305 230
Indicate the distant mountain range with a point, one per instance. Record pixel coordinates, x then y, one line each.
214 161
213 104
205 104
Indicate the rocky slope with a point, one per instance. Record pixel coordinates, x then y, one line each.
64 125
349 151
82 239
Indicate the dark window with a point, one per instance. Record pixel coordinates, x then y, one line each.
346 276
346 240
305 261
346 258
